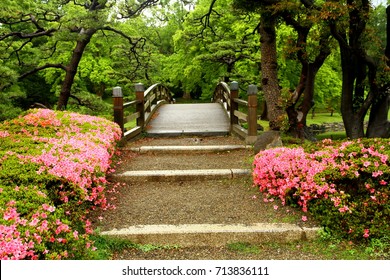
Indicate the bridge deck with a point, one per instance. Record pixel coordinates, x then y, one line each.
189 119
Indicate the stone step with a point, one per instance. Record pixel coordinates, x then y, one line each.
182 175
189 148
193 235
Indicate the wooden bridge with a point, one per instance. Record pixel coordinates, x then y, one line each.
155 113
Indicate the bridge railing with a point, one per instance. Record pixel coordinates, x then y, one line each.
228 97
139 110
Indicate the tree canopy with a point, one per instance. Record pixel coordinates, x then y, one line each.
303 54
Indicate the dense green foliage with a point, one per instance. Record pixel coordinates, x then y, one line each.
188 45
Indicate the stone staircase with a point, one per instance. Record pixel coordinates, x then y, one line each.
191 191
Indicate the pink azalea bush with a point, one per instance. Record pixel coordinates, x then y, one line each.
344 185
52 172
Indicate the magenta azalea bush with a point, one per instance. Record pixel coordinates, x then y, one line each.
52 172
345 185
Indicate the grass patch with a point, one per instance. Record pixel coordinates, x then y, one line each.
152 247
334 135
334 248
325 247
321 118
107 246
244 248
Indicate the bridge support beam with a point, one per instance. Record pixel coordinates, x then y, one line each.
140 96
233 103
117 97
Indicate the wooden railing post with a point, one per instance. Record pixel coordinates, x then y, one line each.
117 97
233 103
139 95
252 114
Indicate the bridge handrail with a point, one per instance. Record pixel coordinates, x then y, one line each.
228 97
147 101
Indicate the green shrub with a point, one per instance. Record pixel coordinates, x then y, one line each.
345 185
360 207
52 172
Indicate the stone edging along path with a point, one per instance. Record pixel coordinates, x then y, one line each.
189 235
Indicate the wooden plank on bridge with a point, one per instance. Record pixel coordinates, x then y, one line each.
190 119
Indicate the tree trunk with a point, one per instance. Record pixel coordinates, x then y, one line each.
297 116
378 124
71 69
264 113
354 63
353 70
269 71
292 112
387 51
308 100
353 123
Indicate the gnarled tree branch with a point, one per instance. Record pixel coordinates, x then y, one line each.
46 66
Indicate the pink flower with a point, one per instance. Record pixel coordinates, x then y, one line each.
11 214
4 134
41 194
62 228
34 222
366 233
304 218
76 234
336 201
43 226
377 173
48 208
344 209
11 203
276 207
38 238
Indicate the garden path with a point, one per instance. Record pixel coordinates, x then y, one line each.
195 191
